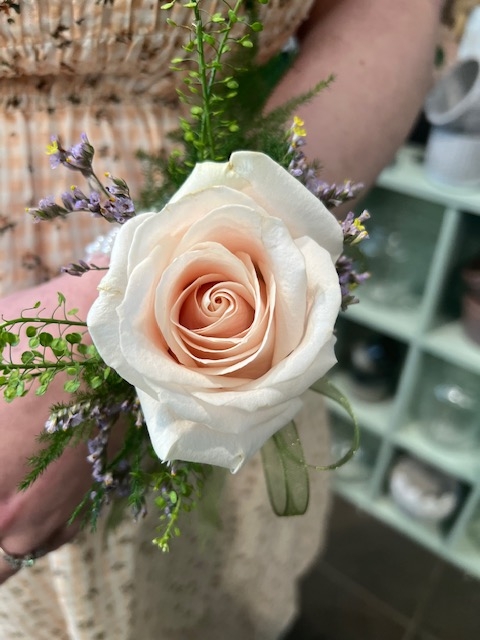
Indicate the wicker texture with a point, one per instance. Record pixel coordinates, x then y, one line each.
102 68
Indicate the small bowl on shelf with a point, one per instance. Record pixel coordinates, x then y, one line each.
452 419
424 493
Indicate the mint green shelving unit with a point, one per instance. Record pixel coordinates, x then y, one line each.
430 332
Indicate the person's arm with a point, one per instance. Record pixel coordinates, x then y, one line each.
36 519
381 53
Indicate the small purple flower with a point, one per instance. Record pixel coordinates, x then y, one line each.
117 209
353 228
56 152
47 209
78 158
80 155
79 268
349 279
75 199
119 206
94 203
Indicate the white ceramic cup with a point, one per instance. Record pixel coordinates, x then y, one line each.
455 99
452 158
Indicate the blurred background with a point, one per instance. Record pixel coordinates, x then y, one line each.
403 556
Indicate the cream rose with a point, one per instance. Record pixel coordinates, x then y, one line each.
220 308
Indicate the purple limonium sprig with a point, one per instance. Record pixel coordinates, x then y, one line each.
79 157
118 207
331 195
353 227
112 201
349 279
298 166
68 417
104 416
80 267
47 209
112 479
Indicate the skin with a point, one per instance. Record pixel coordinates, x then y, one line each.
35 519
381 53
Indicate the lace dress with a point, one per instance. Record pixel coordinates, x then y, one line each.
102 67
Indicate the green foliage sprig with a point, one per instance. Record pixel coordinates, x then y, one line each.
56 343
222 117
210 40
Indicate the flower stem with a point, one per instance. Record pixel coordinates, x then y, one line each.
99 183
37 319
221 46
206 133
207 141
40 366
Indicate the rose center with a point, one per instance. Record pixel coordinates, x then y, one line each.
217 309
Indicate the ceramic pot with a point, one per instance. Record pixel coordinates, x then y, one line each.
455 100
452 158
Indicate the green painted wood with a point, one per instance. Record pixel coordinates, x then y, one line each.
425 333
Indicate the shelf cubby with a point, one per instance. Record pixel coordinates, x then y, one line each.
433 231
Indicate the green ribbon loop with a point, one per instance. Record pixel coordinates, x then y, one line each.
286 472
284 465
327 389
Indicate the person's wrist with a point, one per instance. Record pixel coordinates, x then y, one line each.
20 561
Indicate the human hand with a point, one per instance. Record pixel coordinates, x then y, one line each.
36 519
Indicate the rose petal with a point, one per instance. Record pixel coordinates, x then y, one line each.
276 190
175 437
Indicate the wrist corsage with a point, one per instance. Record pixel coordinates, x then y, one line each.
218 309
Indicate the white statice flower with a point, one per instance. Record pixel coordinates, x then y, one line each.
220 309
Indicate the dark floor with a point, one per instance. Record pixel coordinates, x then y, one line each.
372 583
